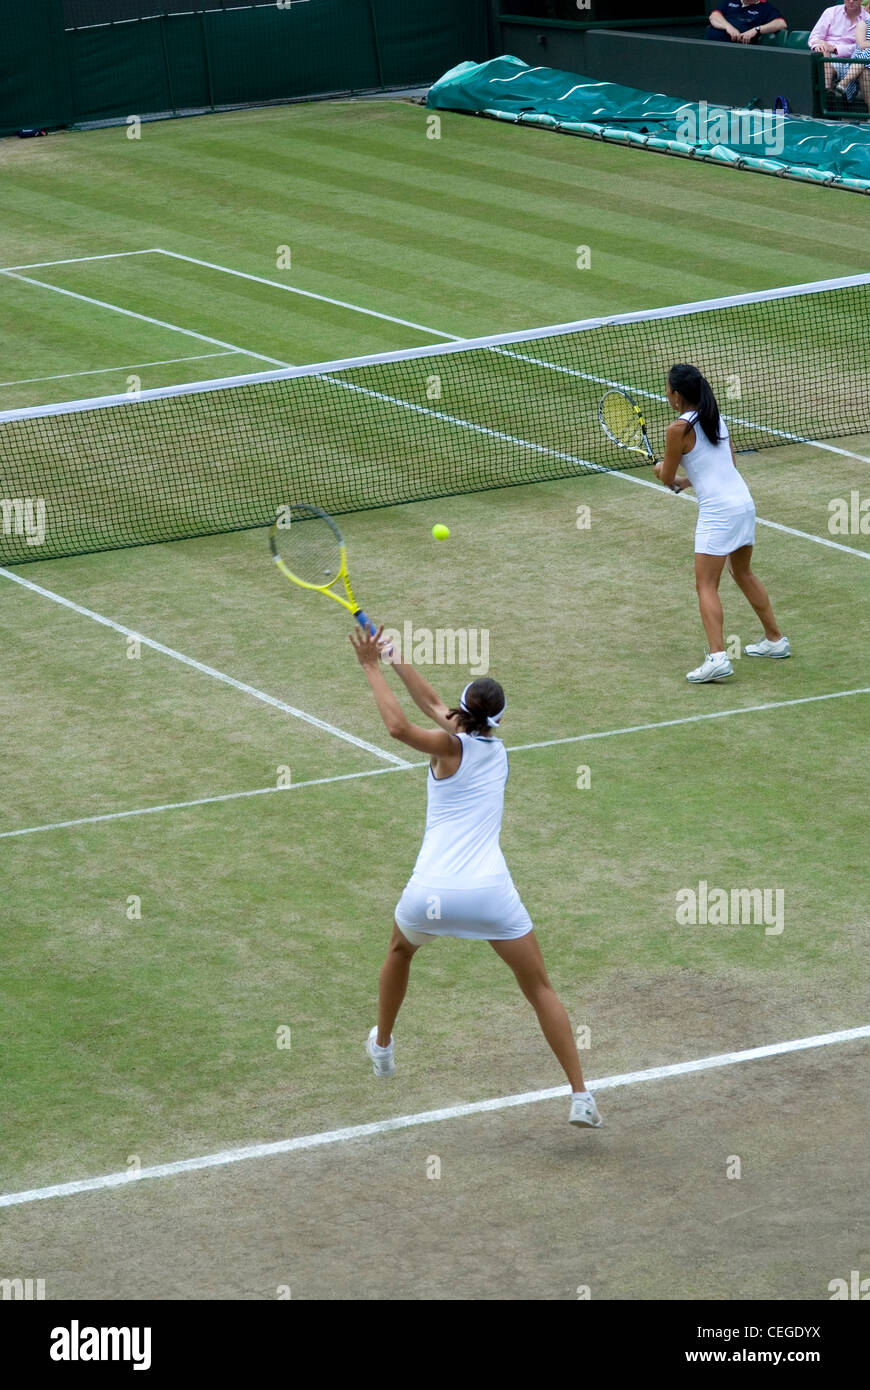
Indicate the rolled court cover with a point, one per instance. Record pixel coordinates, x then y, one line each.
788 366
827 152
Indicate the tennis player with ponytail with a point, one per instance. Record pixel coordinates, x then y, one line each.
725 533
460 885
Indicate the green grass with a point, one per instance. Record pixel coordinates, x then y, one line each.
474 233
156 1036
395 431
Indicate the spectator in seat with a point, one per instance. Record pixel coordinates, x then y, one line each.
835 34
741 21
857 72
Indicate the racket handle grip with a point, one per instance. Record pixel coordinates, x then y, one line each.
365 621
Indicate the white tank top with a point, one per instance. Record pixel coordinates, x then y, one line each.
463 819
710 468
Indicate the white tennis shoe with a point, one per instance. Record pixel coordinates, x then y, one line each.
382 1057
584 1112
765 647
714 668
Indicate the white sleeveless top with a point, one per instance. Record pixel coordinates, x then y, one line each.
463 820
710 468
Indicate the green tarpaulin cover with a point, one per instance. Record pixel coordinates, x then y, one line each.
768 141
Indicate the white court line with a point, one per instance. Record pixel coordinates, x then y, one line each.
423 328
435 332
159 646
309 294
143 318
692 718
204 801
785 435
377 771
74 260
425 1117
808 535
520 357
732 1214
207 670
449 419
571 458
801 439
467 424
104 371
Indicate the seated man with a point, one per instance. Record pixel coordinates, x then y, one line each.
835 33
741 21
859 70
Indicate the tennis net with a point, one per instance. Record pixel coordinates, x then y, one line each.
787 365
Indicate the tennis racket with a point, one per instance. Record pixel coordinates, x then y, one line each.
308 549
622 421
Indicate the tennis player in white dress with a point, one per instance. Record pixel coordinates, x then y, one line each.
461 885
725 533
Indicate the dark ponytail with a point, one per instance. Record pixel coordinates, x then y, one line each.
484 699
696 389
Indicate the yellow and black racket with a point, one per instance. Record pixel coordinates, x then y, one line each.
308 549
622 421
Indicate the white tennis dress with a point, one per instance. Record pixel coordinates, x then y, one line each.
726 511
461 885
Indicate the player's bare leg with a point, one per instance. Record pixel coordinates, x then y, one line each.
708 572
393 984
523 955
754 590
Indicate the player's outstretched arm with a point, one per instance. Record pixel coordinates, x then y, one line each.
424 696
438 743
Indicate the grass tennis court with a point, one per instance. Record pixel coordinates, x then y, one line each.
151 959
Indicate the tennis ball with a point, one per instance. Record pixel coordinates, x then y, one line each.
440 533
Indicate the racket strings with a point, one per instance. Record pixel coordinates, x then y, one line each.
310 547
621 420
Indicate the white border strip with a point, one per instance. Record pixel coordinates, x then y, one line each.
376 771
425 1117
207 670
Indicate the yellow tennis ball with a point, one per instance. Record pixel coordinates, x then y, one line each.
440 533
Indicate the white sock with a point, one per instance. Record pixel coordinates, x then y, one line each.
583 1095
